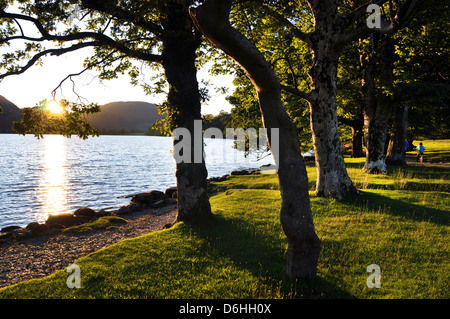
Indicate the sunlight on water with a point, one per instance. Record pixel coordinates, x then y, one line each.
53 182
59 175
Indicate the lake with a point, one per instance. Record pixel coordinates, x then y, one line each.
58 174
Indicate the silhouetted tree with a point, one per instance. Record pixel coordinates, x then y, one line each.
155 32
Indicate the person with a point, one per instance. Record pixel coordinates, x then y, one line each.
406 145
420 151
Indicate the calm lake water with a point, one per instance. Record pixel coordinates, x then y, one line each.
57 174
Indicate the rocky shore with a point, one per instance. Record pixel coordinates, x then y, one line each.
39 249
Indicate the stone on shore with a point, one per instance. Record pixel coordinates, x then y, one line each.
65 220
84 212
158 204
128 209
171 192
35 228
148 198
9 229
170 201
249 171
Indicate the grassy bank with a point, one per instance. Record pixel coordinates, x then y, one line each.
399 222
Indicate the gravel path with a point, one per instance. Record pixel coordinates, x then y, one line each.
41 256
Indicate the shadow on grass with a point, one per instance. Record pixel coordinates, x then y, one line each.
421 171
397 208
260 254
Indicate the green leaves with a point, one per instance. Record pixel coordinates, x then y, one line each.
40 120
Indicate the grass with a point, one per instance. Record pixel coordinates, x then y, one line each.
436 151
105 222
399 222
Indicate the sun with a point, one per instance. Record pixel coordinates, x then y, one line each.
54 107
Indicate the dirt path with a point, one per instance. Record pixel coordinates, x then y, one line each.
425 163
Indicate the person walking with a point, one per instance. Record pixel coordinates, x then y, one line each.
420 151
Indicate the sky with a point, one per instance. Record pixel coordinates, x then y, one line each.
37 83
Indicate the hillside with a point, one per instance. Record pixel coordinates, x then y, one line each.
125 116
11 113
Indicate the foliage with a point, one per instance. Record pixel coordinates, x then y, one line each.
222 121
128 38
422 72
39 120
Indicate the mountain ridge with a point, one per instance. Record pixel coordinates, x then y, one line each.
114 118
11 113
131 116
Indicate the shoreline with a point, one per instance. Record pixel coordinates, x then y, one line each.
40 256
36 256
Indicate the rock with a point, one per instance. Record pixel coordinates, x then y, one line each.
35 228
124 210
171 191
170 201
66 220
218 179
57 226
158 204
167 226
128 209
102 213
249 171
9 229
20 234
4 236
148 198
84 212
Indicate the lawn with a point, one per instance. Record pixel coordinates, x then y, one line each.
399 221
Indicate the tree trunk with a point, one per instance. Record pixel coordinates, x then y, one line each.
396 151
179 54
357 127
375 122
295 214
332 178
376 112
357 139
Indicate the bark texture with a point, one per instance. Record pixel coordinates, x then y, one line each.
396 151
332 178
377 104
357 127
179 54
212 19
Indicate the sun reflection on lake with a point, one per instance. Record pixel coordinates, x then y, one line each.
53 183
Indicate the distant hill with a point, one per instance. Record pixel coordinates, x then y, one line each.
11 113
114 118
117 117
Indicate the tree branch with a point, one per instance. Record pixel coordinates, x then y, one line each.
107 8
361 11
100 37
292 28
402 17
307 96
55 52
88 67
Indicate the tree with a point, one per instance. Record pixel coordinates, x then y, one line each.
335 26
377 100
212 19
421 90
40 120
349 97
155 32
